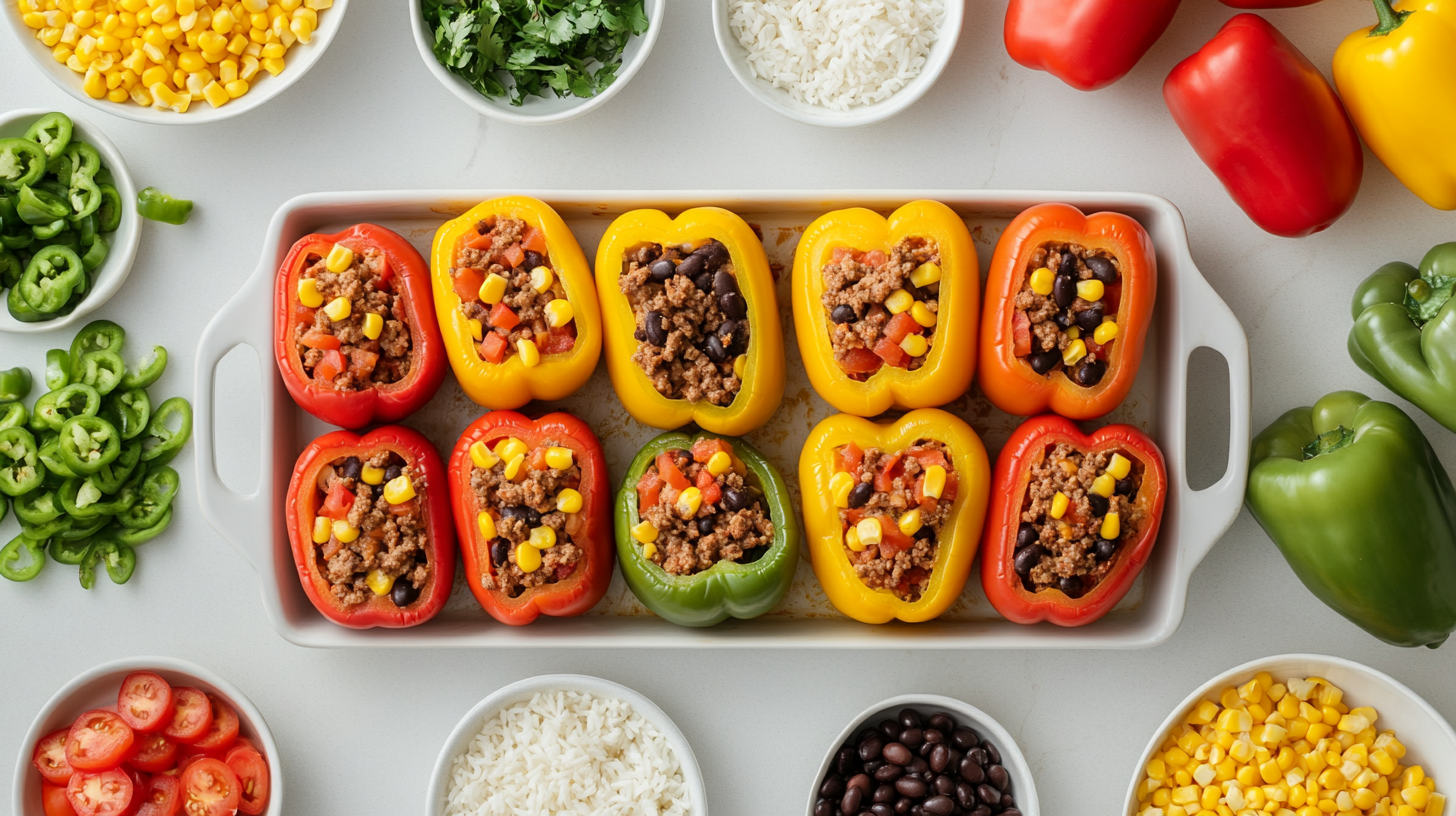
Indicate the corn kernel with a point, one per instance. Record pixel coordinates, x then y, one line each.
559 458
373 325
740 364
1074 351
1417 796
925 274
1392 746
870 534
720 462
372 475
323 527
339 309
569 501
236 88
528 558
1041 281
1413 776
839 486
510 447
1090 290
339 258
1205 711
899 301
851 540
934 484
558 312
649 550
530 354
94 84
1111 527
486 523
923 315
513 466
915 345
645 532
1119 466
493 289
1382 761
910 523
1104 485
689 501
542 537
343 531
399 490
1059 508
1106 332
542 278
379 583
273 66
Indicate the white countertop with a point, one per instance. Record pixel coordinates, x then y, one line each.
359 730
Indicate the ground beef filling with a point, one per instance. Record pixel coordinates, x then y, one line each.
506 283
883 310
1066 311
522 507
890 514
342 352
707 517
386 553
1064 544
691 320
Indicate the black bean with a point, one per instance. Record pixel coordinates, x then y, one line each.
1090 373
889 729
917 766
897 753
1099 505
1011 810
404 592
971 771
1043 361
858 495
824 807
1091 317
884 794
1007 801
939 758
1064 320
1068 266
888 772
978 754
964 738
352 468
733 305
500 551
726 330
392 472
714 253
988 795
860 782
1102 269
705 526
870 747
993 754
533 260
640 336
656 333
843 313
662 269
849 803
982 810
1071 585
965 794
944 785
1105 549
1026 535
939 805
1027 558
1064 291
873 765
833 787
1124 487
692 266
724 283
910 786
998 778
942 723
704 282
924 749
903 805
714 349
925 534
846 761
910 718
735 499
912 738
882 809
933 735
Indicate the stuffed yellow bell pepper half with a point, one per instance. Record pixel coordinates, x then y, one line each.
691 320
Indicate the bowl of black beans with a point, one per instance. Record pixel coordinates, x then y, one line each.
923 755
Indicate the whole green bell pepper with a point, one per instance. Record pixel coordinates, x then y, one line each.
1405 331
1355 498
728 588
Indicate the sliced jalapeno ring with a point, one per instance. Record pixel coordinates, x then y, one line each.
38 506
42 532
18 240
102 370
85 162
85 197
39 204
20 467
108 215
155 205
14 384
153 501
88 444
52 275
132 538
46 232
70 552
13 415
119 560
22 559
89 562
50 457
52 132
85 227
95 255
55 407
128 409
10 268
57 370
98 335
22 163
148 369
20 310
82 499
113 476
84 533
160 442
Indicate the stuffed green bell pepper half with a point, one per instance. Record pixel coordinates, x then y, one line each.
1405 331
1355 498
705 529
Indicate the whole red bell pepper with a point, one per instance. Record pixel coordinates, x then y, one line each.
1087 44
306 503
1028 446
1268 4
408 276
590 528
1268 124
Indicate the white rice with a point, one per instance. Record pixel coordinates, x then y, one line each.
565 752
837 53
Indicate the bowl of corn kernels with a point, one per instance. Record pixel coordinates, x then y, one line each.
174 61
1298 735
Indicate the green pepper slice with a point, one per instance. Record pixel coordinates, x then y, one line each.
95 254
161 443
119 560
14 384
108 215
13 415
128 409
55 407
88 444
22 559
40 205
22 163
101 370
155 205
98 335
132 538
154 499
89 561
111 477
20 468
57 370
83 500
38 507
85 533
20 310
46 232
43 532
85 227
85 162
85 196
147 371
18 240
52 132
10 268
51 277
69 552
50 458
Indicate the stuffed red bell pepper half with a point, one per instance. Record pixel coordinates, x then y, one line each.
354 329
369 520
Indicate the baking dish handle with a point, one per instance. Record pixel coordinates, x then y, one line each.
239 518
1213 509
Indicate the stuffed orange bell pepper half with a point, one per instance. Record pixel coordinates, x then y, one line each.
1068 303
885 310
692 320
516 303
894 512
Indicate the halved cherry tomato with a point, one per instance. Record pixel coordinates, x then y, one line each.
890 469
849 458
98 740
191 716
210 788
668 470
1020 334
649 490
144 701
224 730
901 326
467 284
558 340
336 505
859 361
361 363
53 800
50 757
161 797
493 348
708 485
154 754
252 773
315 339
108 793
330 366
501 317
534 240
891 353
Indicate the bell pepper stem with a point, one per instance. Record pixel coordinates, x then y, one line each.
1390 19
1329 442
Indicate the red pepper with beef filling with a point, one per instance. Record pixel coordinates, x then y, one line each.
313 513
403 279
1005 537
1087 44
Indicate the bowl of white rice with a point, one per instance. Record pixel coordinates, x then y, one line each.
566 743
837 63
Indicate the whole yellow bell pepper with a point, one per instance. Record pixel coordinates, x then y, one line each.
511 383
959 537
762 378
1398 81
951 361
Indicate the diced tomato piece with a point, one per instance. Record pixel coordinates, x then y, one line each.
948 493
873 258
912 576
849 458
1111 298
408 508
53 800
859 361
708 484
303 314
537 459
840 253
559 340
108 793
649 488
467 283
252 770
316 339
892 541
704 448
927 457
50 757
511 257
337 502
210 788
1094 347
889 469
98 740
161 797
534 240
952 487
385 274
900 326
493 348
1020 334
479 241
361 363
224 728
331 366
668 470
501 317
154 753
891 353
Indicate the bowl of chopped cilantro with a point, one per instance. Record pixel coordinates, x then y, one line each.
535 61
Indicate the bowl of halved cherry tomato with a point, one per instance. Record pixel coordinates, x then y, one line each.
148 736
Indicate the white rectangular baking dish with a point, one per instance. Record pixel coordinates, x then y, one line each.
1189 315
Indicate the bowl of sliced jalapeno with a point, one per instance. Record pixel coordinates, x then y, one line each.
68 222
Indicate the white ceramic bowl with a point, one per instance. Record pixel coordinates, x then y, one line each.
264 86
1428 738
471 724
539 110
98 687
124 241
1023 787
779 100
